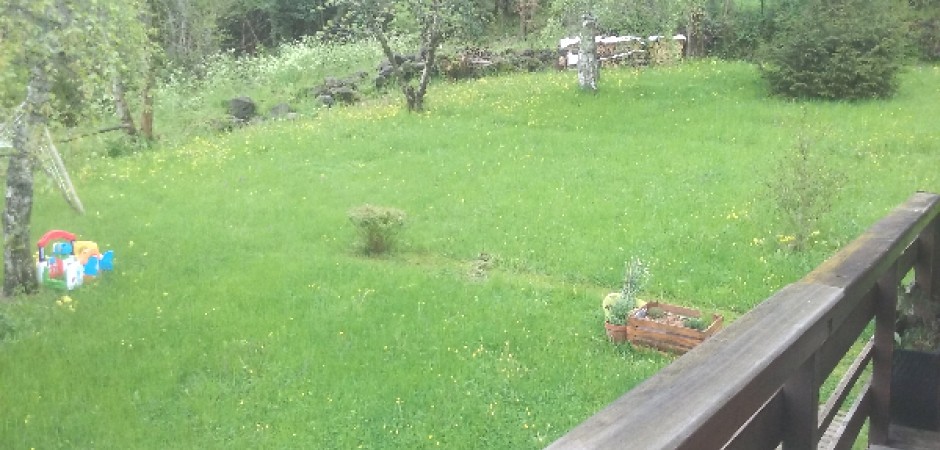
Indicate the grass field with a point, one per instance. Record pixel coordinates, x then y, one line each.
241 316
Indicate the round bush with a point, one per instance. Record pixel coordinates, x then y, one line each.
836 49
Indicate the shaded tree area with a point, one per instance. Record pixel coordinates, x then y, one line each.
436 20
85 44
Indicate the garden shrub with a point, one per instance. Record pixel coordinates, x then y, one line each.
378 227
835 49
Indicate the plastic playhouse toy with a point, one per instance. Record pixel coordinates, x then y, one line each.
71 262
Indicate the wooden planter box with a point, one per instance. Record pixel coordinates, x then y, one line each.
671 338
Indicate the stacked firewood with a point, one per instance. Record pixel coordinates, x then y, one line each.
626 50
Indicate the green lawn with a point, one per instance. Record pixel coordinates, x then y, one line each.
240 315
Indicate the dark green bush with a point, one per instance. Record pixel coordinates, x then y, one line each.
925 28
836 49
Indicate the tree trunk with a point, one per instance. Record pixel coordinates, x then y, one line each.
120 106
19 269
432 40
588 65
146 112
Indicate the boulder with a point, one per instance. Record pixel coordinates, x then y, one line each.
326 100
242 108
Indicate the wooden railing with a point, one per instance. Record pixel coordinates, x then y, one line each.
756 384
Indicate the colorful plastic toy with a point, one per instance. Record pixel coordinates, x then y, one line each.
72 262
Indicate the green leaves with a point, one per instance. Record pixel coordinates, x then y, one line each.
846 49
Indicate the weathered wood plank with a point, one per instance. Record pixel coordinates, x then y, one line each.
842 339
763 431
801 408
882 357
852 374
858 266
854 420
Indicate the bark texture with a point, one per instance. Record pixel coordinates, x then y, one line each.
19 269
120 105
588 65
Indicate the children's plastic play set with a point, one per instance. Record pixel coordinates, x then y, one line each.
72 262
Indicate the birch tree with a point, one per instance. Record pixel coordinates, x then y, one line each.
92 38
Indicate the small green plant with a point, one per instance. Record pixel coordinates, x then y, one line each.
618 306
696 323
803 189
655 313
617 312
378 227
635 276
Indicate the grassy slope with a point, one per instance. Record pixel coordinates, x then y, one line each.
241 317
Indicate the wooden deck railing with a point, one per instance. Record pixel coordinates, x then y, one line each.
756 384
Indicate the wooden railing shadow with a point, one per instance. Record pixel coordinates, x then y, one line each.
756 384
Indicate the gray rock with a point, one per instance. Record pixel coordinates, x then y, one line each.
326 99
242 108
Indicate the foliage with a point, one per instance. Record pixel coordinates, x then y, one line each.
635 275
918 326
434 21
378 227
836 49
655 313
737 33
924 24
696 323
616 313
618 306
803 189
190 31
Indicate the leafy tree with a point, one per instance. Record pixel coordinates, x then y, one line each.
189 30
836 49
92 39
434 21
251 24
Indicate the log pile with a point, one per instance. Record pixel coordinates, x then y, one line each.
626 50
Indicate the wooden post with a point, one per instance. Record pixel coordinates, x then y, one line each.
882 356
588 65
927 265
801 406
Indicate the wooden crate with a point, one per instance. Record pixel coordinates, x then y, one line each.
672 338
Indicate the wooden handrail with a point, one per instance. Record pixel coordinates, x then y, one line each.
756 384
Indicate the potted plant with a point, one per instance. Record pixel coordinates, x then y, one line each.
619 305
654 324
616 310
915 379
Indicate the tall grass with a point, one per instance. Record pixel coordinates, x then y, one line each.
241 314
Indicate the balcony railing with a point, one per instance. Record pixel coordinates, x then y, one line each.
757 383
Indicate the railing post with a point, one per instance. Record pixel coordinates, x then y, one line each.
927 265
882 356
801 403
